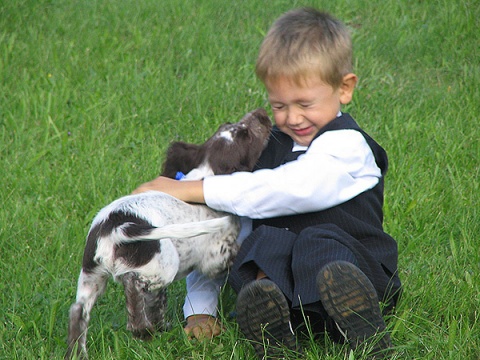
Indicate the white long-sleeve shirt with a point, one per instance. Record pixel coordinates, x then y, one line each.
336 167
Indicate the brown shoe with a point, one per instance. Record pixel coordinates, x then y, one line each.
263 316
351 301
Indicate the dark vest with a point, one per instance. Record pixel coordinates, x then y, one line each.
361 217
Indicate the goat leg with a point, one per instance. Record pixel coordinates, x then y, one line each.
138 321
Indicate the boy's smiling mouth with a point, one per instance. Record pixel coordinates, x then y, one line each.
303 131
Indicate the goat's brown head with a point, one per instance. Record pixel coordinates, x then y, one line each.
233 147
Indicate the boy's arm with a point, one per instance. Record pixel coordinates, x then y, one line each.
337 166
188 191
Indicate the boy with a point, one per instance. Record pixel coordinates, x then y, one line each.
317 253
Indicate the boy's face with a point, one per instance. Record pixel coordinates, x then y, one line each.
301 110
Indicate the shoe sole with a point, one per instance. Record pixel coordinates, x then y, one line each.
264 318
351 301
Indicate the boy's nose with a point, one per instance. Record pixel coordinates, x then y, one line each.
294 118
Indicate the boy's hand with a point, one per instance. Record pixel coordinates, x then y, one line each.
159 184
203 326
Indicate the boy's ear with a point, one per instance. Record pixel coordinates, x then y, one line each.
348 86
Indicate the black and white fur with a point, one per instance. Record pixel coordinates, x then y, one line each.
148 240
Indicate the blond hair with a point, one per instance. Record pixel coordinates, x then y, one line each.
306 42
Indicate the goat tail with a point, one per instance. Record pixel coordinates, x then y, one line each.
130 232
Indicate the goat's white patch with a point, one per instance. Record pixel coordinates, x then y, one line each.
200 172
227 135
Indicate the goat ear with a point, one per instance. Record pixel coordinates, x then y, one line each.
181 157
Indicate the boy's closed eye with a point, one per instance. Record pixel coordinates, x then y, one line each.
277 106
305 105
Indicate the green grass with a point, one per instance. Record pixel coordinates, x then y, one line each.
92 92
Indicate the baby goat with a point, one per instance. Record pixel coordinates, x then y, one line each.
151 239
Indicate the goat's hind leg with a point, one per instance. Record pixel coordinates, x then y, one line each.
139 303
156 308
90 287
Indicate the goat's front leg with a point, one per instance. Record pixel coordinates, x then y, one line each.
138 321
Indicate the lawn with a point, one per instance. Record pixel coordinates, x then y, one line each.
92 92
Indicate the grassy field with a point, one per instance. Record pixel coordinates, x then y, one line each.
92 92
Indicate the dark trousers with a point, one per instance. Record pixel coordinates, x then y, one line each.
293 261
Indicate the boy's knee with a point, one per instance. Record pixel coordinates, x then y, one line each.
319 247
